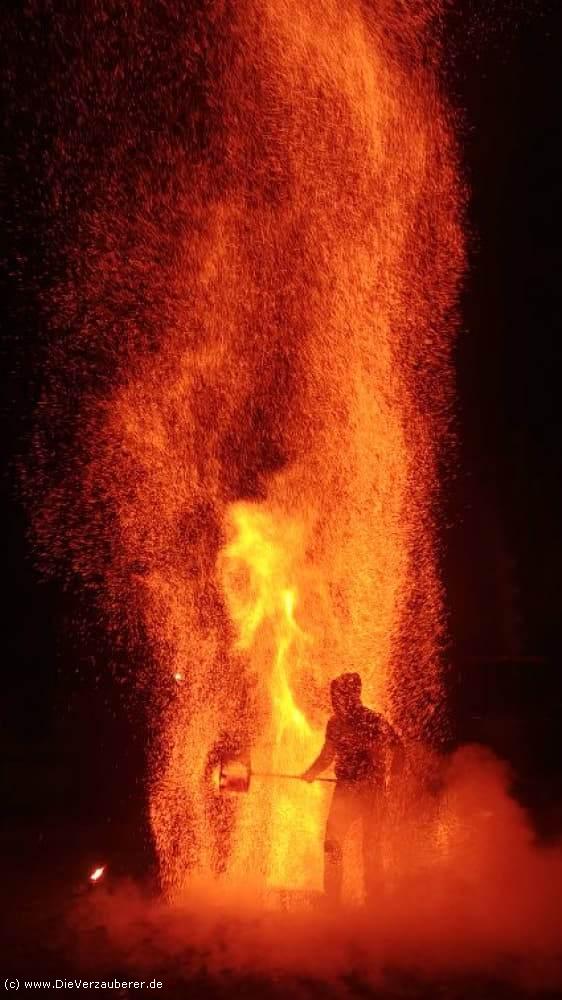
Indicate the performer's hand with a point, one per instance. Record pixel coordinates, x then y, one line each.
307 776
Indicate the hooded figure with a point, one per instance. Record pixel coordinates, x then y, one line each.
360 744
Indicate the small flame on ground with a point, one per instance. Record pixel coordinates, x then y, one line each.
97 873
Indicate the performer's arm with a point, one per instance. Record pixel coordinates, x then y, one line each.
324 759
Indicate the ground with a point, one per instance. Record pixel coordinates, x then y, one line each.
57 926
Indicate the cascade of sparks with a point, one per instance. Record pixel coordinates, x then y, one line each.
264 269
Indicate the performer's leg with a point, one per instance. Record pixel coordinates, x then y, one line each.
340 817
372 822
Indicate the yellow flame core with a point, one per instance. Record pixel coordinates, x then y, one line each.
259 569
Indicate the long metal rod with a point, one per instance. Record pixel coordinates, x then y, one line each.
293 777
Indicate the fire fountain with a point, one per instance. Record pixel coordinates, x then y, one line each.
267 285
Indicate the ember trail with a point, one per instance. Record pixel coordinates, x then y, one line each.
268 289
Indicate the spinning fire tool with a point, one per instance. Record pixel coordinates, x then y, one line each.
235 776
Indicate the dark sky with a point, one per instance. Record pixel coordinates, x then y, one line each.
503 543
504 548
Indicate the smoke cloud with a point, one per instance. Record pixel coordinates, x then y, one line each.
485 903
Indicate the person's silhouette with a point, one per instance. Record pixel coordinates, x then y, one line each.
359 742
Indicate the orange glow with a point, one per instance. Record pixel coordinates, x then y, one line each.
97 873
258 477
297 438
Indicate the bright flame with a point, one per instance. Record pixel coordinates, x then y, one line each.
260 573
97 873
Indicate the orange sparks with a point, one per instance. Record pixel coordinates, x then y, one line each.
258 479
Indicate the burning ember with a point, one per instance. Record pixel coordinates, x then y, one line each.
97 874
254 476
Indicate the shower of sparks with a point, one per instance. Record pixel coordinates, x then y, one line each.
259 222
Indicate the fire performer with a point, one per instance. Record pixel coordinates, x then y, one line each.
359 742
